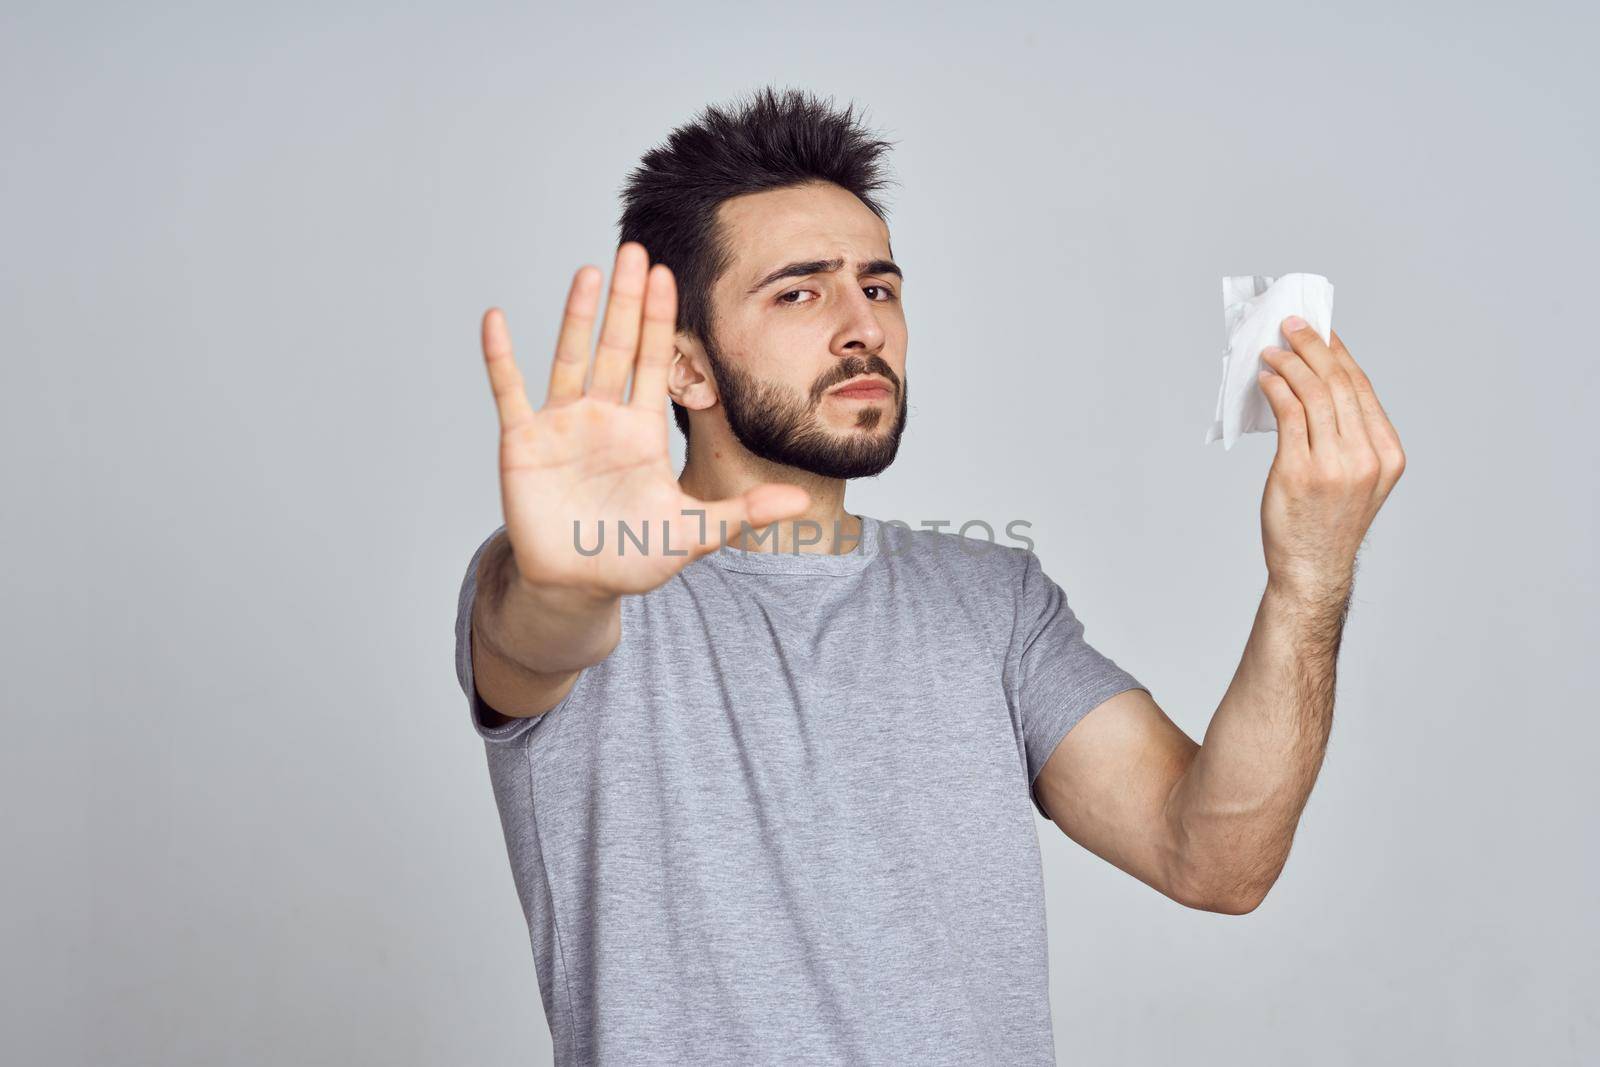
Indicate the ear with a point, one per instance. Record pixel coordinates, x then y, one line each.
689 379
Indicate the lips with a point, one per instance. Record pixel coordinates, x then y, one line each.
864 388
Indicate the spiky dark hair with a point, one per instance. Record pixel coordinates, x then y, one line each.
770 140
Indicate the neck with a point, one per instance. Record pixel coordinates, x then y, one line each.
720 469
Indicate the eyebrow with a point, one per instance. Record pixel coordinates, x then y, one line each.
824 266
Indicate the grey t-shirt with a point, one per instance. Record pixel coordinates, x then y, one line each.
790 818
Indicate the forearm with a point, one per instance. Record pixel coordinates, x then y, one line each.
542 630
1234 811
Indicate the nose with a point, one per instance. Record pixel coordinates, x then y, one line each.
860 332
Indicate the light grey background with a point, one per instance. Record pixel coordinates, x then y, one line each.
250 446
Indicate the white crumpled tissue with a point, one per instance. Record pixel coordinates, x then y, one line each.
1253 307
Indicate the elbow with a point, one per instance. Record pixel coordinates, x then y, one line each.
1221 892
1228 879
1225 863
1234 904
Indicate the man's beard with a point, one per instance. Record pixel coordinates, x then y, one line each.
777 425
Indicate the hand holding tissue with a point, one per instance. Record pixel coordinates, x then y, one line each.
1253 306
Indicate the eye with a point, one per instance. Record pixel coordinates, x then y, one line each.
889 295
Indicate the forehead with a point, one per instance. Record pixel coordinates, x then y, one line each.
817 221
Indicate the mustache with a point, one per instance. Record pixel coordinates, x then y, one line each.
853 367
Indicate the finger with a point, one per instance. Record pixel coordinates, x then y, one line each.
510 396
577 332
1293 439
1312 392
655 345
1379 429
619 333
1347 409
758 507
1306 342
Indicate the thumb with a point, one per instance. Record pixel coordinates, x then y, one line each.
760 507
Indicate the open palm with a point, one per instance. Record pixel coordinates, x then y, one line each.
591 458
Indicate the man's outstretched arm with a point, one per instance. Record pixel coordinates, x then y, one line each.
1210 825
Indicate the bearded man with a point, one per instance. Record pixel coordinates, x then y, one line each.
768 774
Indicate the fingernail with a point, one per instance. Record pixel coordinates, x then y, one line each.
1293 323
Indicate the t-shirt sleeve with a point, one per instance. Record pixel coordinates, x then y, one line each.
1056 676
477 710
